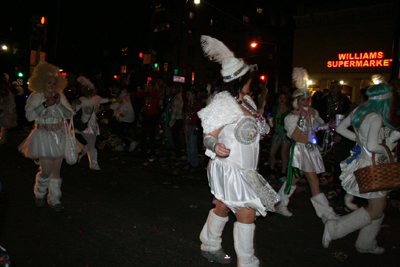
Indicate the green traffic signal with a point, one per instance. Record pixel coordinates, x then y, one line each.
155 65
20 74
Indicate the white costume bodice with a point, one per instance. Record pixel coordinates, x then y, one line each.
244 155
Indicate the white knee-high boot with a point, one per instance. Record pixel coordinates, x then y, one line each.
243 237
41 185
322 208
281 207
366 242
93 164
54 191
335 229
211 239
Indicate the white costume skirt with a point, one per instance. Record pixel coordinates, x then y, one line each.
44 144
234 186
349 181
306 160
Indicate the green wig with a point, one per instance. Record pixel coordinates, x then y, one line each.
379 97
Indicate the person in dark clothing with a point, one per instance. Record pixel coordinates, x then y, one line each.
151 96
336 103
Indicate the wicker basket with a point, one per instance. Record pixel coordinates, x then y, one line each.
379 177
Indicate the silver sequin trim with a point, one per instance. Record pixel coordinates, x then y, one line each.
246 130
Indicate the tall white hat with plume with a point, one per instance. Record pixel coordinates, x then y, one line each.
300 77
85 82
232 67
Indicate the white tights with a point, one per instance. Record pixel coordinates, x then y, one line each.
91 141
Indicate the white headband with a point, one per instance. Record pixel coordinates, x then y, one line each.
384 96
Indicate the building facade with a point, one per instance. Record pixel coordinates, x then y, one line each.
349 45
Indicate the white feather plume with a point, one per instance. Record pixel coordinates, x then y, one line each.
300 76
377 79
215 48
85 82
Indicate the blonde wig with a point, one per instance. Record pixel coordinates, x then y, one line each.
299 93
42 72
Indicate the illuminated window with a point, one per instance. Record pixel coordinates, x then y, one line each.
165 66
123 69
246 19
191 15
260 10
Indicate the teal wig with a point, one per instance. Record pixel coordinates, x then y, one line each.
379 106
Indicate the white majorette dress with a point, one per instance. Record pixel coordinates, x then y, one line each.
362 157
306 156
47 139
234 180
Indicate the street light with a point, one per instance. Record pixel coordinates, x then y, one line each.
4 47
255 44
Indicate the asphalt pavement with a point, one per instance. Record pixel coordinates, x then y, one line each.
139 213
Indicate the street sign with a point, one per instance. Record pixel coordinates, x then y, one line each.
179 79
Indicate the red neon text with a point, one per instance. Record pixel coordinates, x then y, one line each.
358 60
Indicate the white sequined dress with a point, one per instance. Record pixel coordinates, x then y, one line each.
307 159
47 139
234 180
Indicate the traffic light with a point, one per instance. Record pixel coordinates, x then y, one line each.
262 77
141 55
39 27
39 21
20 74
155 65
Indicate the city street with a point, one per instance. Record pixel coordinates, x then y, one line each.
138 213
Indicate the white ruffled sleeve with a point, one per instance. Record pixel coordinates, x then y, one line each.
222 110
291 124
34 101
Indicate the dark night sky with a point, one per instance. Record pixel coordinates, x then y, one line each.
84 28
87 27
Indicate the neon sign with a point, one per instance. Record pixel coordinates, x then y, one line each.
358 60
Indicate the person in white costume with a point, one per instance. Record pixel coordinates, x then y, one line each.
89 103
367 121
305 158
49 107
232 129
123 118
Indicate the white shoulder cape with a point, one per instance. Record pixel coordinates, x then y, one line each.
222 110
36 99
